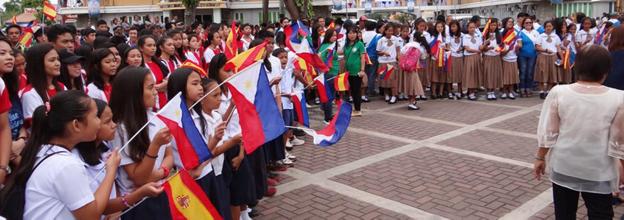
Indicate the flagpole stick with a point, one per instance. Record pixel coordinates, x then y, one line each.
144 198
212 90
300 128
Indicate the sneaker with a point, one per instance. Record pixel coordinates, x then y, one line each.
269 193
317 101
365 99
413 107
296 141
504 96
350 99
244 215
558 62
472 97
450 95
356 114
393 100
287 162
512 96
494 96
458 95
290 156
424 97
387 98
289 145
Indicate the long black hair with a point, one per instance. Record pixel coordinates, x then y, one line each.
65 107
161 42
434 32
256 42
124 57
179 50
177 83
458 33
497 33
128 108
216 63
91 152
420 38
505 29
94 69
11 79
66 79
141 42
35 70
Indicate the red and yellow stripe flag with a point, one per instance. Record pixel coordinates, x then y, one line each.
309 73
509 37
231 43
187 200
191 65
368 60
26 37
246 58
14 20
486 29
49 10
341 83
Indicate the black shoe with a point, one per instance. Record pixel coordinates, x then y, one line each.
543 95
254 213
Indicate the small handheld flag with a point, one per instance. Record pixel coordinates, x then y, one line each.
319 81
49 10
333 132
299 103
385 72
187 200
247 58
486 29
299 40
191 65
341 82
27 37
231 43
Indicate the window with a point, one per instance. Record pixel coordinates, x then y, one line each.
239 17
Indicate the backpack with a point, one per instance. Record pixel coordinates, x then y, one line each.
409 61
13 207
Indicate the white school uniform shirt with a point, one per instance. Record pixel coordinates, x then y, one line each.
492 52
94 92
208 168
58 186
246 43
389 46
478 32
93 172
511 56
209 54
582 36
286 86
31 100
551 46
456 45
472 42
571 45
125 183
194 56
233 127
5 101
212 121
368 36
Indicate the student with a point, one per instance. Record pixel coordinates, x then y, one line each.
585 36
546 70
61 37
71 71
355 62
213 47
388 49
55 183
370 38
43 67
472 61
193 53
13 32
147 158
492 63
131 57
327 52
527 56
246 38
456 48
8 94
425 76
166 51
291 82
237 171
438 73
178 44
20 68
147 45
93 155
510 66
101 71
404 38
413 86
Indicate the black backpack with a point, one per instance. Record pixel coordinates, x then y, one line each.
13 207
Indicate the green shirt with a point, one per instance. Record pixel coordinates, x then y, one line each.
353 56
324 53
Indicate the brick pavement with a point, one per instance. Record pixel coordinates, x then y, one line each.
450 160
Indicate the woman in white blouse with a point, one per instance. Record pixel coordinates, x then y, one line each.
582 126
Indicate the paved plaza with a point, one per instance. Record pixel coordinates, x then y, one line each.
449 160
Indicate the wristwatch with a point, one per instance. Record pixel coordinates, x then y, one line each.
6 168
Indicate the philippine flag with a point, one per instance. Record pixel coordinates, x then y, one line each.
299 103
259 116
298 39
189 141
319 81
336 128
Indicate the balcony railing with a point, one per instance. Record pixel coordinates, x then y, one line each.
177 4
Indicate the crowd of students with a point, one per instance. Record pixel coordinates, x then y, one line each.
68 103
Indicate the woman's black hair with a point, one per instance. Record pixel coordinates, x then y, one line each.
65 107
94 69
177 83
124 57
505 29
420 38
434 32
179 50
216 63
497 33
161 42
593 62
66 79
316 36
209 38
280 38
91 152
459 30
84 50
355 29
329 33
256 42
129 110
141 42
11 79
35 70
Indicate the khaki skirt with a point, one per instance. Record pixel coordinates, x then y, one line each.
510 73
401 80
492 68
412 84
456 72
472 70
545 69
438 74
425 76
565 76
390 83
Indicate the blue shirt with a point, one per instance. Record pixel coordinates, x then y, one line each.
615 79
16 117
528 46
371 49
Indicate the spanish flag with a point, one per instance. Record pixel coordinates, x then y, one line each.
341 83
49 10
308 69
509 36
231 43
187 200
246 58
191 65
26 37
486 29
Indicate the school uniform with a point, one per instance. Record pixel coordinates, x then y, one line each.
5 100
194 56
438 74
31 100
389 46
472 62
401 74
545 68
425 75
209 54
95 173
158 76
510 75
58 186
151 208
219 189
455 74
246 43
412 84
172 63
103 94
582 36
492 65
565 74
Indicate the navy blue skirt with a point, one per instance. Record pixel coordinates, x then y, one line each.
152 208
240 182
216 191
275 149
257 159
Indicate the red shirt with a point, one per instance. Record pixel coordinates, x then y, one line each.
158 77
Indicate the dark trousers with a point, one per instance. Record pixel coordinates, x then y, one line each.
371 71
355 86
566 202
527 69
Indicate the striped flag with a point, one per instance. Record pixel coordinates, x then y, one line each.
510 36
486 29
309 71
341 82
323 94
191 65
26 38
246 58
568 59
231 43
187 200
299 103
49 10
385 72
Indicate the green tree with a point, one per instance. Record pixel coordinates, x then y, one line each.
11 8
189 13
299 8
